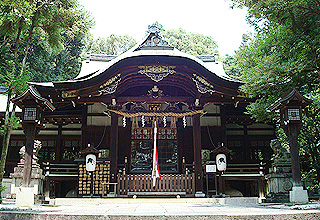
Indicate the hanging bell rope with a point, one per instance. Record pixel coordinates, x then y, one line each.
135 123
173 122
156 114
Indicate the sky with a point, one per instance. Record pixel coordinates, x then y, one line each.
212 18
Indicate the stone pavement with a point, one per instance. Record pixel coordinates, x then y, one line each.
141 208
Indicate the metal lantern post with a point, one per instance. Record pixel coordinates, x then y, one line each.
290 106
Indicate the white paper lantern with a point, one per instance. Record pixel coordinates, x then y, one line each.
91 160
221 161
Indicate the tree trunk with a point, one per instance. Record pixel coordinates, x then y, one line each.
30 34
7 125
6 138
4 152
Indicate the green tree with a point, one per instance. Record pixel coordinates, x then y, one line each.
230 66
310 142
284 53
111 45
20 22
50 65
192 43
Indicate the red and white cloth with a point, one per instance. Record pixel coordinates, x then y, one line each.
155 165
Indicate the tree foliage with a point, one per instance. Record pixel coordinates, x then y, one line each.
230 66
49 65
192 43
285 53
23 26
111 45
310 141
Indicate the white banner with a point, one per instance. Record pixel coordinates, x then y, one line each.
155 166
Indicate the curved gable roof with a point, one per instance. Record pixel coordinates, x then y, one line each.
152 45
153 48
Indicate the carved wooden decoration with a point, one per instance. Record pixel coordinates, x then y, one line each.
111 85
155 40
156 73
155 92
69 94
203 85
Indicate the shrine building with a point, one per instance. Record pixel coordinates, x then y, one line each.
112 106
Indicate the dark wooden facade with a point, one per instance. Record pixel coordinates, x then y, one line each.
104 105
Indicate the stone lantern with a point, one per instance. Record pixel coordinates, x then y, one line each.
32 105
290 107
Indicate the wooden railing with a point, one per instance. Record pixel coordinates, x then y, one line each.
51 169
169 183
243 169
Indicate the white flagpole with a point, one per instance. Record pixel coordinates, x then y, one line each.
155 168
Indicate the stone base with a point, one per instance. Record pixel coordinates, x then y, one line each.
277 198
25 197
298 195
111 195
199 194
36 183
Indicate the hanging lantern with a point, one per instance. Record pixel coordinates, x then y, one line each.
91 160
124 122
164 121
221 160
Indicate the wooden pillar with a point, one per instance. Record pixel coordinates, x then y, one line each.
84 127
114 147
223 124
247 152
180 144
261 189
47 188
220 191
59 144
197 152
293 132
30 130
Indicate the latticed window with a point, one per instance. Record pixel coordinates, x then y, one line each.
30 114
47 152
71 149
13 154
142 150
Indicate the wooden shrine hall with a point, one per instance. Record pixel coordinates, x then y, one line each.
112 106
